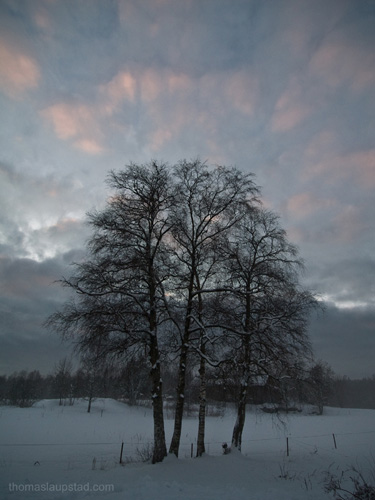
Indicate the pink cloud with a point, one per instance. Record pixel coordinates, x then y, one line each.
42 19
18 71
324 143
159 137
152 89
290 109
121 87
338 62
152 84
305 204
179 82
76 122
340 223
219 93
364 164
242 90
89 146
347 224
288 119
360 166
65 119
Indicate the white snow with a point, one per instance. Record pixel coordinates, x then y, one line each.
62 452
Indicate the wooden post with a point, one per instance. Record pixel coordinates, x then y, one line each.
192 448
287 447
334 441
122 449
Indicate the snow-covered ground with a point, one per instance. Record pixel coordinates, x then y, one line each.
62 452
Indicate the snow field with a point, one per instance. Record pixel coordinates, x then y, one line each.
64 447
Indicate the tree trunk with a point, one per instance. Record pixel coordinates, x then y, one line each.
202 407
175 443
179 412
160 449
202 379
91 391
241 405
240 421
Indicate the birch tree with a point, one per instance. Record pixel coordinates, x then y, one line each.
210 202
119 294
267 308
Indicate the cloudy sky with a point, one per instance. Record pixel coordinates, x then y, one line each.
281 88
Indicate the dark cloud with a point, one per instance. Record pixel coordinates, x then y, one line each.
345 339
36 352
29 293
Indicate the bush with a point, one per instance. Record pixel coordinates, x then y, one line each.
360 487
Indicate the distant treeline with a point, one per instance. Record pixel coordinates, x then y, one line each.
24 388
347 393
131 384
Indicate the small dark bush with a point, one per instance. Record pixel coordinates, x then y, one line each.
360 489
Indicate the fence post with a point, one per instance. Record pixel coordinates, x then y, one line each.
287 447
192 449
334 441
122 449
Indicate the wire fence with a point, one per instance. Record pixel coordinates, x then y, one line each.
107 454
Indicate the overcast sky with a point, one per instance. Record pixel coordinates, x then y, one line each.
281 88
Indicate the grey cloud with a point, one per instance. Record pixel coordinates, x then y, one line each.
29 293
57 238
35 211
345 339
41 352
26 279
347 280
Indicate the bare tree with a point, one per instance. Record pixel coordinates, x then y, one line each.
119 288
319 385
210 202
90 368
63 374
267 309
